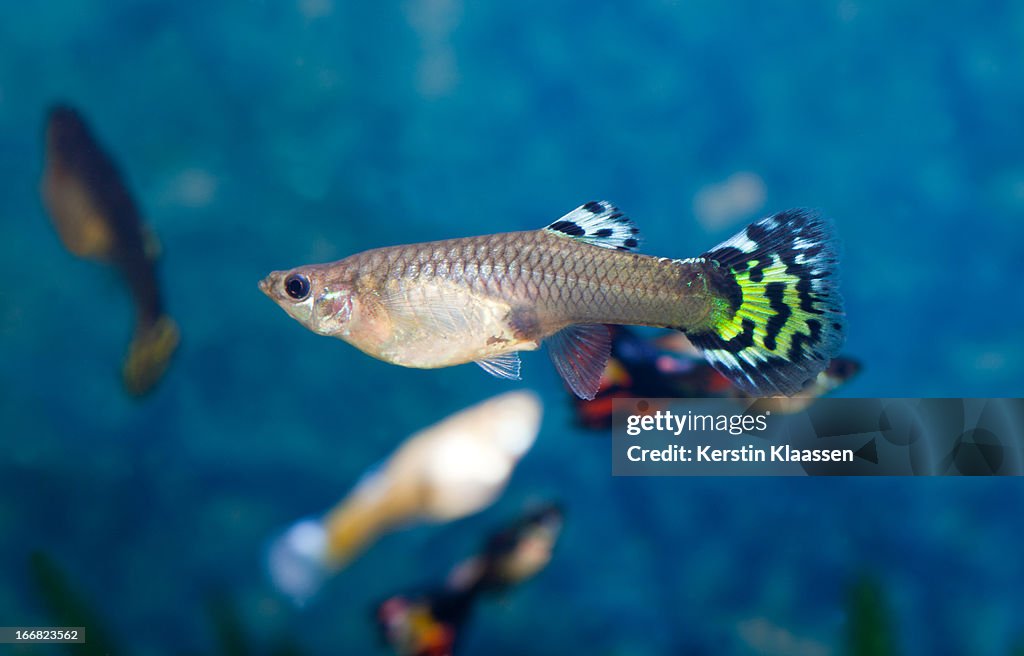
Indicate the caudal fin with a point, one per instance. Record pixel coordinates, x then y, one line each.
782 320
149 354
296 560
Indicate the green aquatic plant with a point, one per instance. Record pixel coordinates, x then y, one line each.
68 607
227 627
230 634
870 628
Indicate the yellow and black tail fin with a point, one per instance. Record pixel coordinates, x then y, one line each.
780 319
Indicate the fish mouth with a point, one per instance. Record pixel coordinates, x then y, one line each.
267 284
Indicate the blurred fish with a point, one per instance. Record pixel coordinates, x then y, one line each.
96 218
670 367
762 307
425 624
429 623
514 554
450 470
838 371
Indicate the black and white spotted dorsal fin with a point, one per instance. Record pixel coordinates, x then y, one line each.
599 223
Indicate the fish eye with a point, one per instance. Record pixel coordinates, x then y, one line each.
297 286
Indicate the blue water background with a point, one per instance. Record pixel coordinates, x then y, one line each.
262 135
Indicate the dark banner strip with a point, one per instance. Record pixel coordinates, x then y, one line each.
833 437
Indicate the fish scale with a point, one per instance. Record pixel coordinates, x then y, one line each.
564 281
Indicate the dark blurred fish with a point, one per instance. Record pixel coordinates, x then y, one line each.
762 307
514 554
424 624
670 367
838 371
429 623
96 218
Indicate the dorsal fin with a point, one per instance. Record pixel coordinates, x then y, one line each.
599 223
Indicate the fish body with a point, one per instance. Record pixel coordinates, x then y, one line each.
430 622
426 623
97 218
450 470
516 553
483 299
443 303
93 210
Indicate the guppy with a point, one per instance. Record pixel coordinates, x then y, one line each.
97 218
762 307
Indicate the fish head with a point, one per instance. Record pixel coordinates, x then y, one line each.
65 130
315 296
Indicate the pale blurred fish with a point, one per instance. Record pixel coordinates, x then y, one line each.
452 469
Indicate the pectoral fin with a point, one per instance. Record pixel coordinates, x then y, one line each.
505 365
441 309
580 353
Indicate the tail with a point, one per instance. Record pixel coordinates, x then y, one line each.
296 560
781 317
149 354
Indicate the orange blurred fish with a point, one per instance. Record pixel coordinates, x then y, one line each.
668 366
97 218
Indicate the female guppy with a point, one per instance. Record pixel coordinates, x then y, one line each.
762 307
96 217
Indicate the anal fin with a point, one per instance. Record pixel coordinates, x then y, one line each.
580 353
505 366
